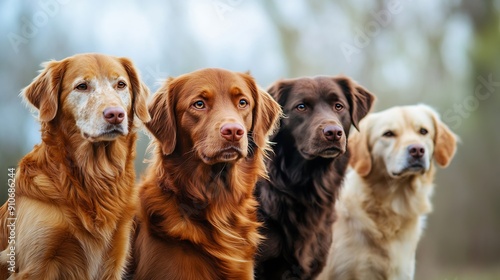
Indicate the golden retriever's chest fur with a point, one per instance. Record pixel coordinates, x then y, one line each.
377 232
219 242
75 215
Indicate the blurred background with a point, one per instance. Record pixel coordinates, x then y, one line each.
442 53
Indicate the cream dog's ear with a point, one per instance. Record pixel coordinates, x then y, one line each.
445 141
361 159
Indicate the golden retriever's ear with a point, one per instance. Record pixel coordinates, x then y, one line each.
43 92
265 113
139 89
361 159
360 100
445 141
162 124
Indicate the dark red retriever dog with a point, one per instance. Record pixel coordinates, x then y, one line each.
75 199
198 215
306 171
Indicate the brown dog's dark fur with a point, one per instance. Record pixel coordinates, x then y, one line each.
305 171
198 216
74 195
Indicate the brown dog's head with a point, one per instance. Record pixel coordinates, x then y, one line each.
319 112
217 114
98 93
402 141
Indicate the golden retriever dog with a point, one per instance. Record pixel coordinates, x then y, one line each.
381 210
198 216
74 192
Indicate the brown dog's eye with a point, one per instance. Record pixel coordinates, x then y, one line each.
423 131
199 104
301 107
81 86
388 134
121 84
243 103
339 106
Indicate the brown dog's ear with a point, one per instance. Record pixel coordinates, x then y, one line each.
360 100
139 90
279 90
162 110
445 141
361 159
43 92
265 114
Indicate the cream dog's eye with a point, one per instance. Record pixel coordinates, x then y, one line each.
389 133
423 131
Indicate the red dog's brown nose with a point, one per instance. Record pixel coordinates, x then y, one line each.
416 150
114 115
333 132
232 131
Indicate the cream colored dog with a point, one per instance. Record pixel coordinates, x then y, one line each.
386 196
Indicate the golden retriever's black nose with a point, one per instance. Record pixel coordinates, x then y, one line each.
114 115
416 151
232 131
333 132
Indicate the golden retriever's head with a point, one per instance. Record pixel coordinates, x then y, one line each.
98 93
217 114
403 140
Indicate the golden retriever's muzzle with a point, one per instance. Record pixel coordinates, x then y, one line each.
416 160
231 143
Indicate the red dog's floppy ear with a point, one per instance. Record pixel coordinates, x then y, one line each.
360 100
43 92
445 141
358 144
139 89
265 114
162 110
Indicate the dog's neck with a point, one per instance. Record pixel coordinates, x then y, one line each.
198 184
294 175
407 196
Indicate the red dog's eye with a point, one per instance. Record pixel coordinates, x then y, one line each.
388 134
423 131
199 104
121 84
301 107
339 106
243 103
81 86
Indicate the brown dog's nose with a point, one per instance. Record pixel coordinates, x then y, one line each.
333 132
114 115
232 131
416 150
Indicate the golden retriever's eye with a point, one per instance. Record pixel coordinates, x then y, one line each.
242 103
121 84
339 106
81 86
199 104
388 134
301 107
423 131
